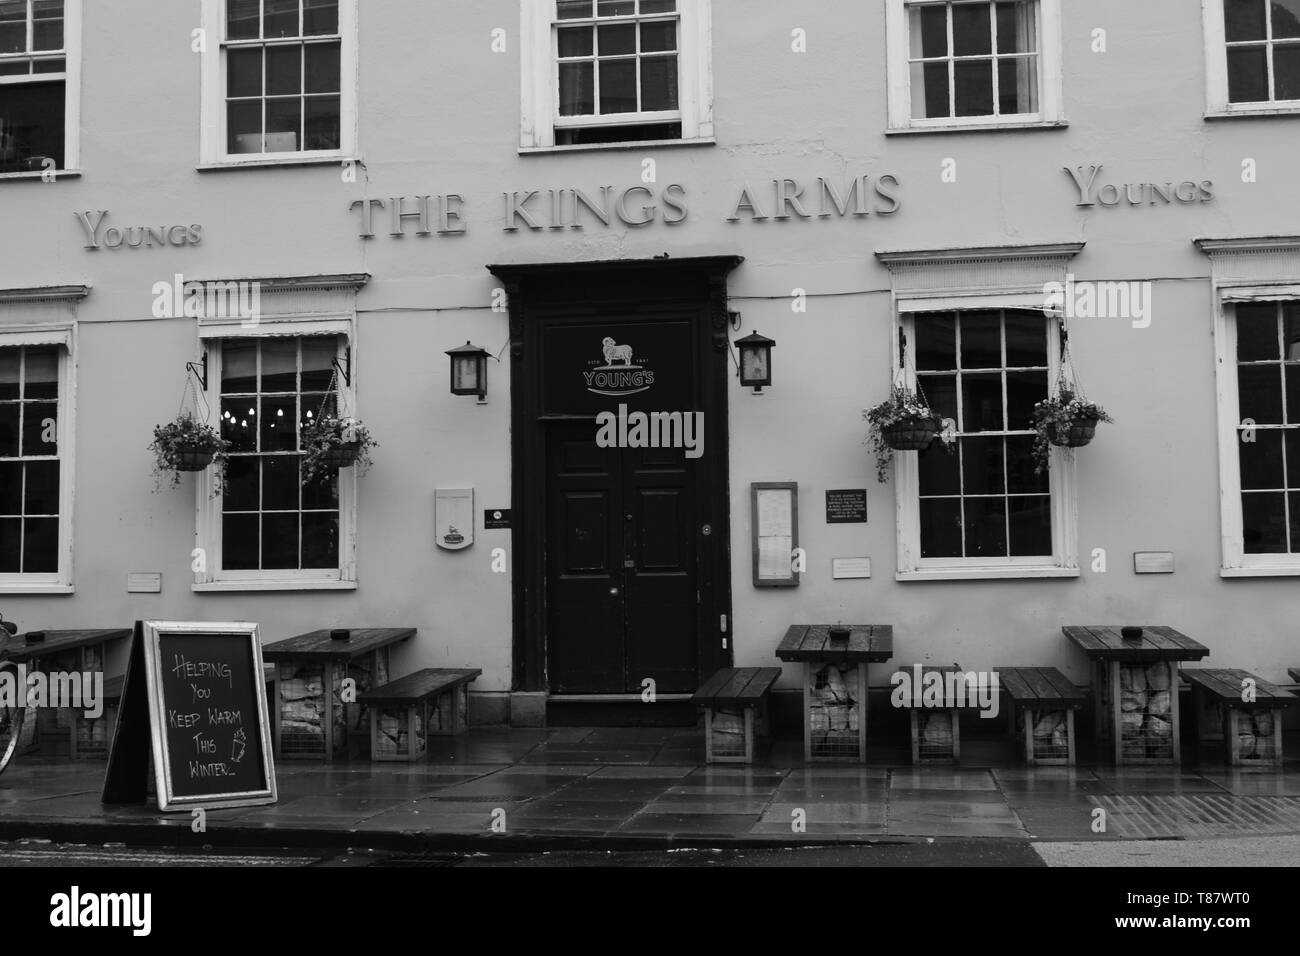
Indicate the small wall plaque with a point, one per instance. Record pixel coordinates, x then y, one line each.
1153 562
847 568
453 517
496 518
144 582
846 506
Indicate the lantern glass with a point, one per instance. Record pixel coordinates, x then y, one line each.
465 374
754 362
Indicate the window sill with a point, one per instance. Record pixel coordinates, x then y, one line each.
639 144
36 589
281 585
258 163
986 574
41 173
1255 111
976 128
1275 571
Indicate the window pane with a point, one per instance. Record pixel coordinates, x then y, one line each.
1031 526
41 379
11 488
940 471
318 354
40 431
1286 71
280 483
577 89
936 341
237 426
280 541
244 127
618 86
615 8
940 392
575 41
320 17
283 70
574 9
1286 18
1260 391
658 6
1026 340
40 545
283 125
280 18
981 340
928 31
1293 401
1021 477
1263 520
13 26
31 128
238 366
11 537
1294 499
47 25
321 495
941 528
13 67
617 39
986 527
1291 330
974 83
10 370
1261 460
1024 390
9 430
54 65
1017 32
658 36
981 397
41 491
320 541
241 492
982 466
280 365
241 19
323 123
930 90
278 425
1018 85
1257 332
1291 439
1244 19
239 542
1247 74
323 61
659 83
972 33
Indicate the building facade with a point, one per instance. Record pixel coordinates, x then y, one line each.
976 198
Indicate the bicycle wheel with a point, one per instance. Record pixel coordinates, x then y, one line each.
12 721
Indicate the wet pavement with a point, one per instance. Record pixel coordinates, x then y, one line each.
649 787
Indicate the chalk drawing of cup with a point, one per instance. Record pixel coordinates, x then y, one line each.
237 747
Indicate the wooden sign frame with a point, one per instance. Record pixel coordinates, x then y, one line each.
126 778
790 577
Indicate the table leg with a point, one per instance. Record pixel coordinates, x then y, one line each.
1175 739
1116 723
807 711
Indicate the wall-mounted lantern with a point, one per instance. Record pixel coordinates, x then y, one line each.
755 361
469 371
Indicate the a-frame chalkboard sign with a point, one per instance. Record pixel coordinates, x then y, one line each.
193 698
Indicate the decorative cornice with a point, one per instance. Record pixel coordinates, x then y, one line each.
1059 250
352 281
1247 246
50 293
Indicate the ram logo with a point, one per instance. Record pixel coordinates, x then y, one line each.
619 375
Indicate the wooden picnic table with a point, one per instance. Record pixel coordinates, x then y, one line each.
312 719
835 685
1135 688
66 731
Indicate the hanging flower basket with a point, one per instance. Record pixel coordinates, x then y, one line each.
1075 433
912 434
184 445
330 443
195 458
342 455
1066 421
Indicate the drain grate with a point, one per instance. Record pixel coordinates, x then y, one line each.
1198 815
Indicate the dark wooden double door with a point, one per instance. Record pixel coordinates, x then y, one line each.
622 589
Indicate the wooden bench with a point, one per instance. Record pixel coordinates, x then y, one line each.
1252 728
404 712
1043 702
735 704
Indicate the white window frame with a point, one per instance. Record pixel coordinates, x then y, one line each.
212 121
1216 73
71 77
539 83
1050 109
1245 270
61 334
208 507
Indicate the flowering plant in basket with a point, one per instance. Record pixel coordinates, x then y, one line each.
185 444
331 443
1067 421
903 422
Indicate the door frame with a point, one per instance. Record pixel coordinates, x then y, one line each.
643 287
